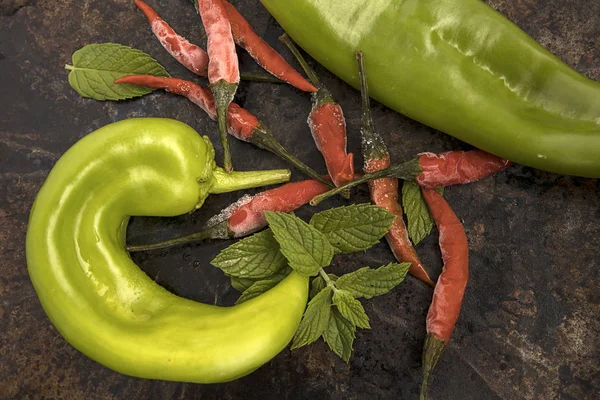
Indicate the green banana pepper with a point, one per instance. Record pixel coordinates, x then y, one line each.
97 297
462 68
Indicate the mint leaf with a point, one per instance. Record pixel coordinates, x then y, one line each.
305 248
261 286
353 228
351 309
96 67
242 284
319 284
368 282
339 335
419 218
256 256
315 319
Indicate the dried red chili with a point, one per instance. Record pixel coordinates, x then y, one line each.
247 215
240 123
327 125
450 288
384 191
434 170
265 55
223 67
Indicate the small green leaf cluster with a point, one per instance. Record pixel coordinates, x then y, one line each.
259 262
420 221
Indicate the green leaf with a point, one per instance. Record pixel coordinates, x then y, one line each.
319 284
339 335
261 286
315 319
351 309
353 228
419 218
256 256
96 67
368 282
242 284
305 248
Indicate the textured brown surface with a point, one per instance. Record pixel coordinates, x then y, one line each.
530 326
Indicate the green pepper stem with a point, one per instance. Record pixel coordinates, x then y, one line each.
312 75
373 146
259 77
223 93
432 350
239 180
264 139
408 170
216 231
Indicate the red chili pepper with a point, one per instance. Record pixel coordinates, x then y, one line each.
240 123
450 288
189 55
433 170
457 167
384 191
247 215
265 55
327 125
223 67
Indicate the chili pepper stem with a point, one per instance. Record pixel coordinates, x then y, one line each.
223 93
238 180
407 171
263 138
373 146
216 231
285 39
432 350
259 77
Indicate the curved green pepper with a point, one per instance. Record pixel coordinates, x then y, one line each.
462 68
96 296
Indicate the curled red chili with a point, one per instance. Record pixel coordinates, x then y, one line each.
450 288
265 55
189 55
240 122
327 125
223 67
247 215
434 170
384 191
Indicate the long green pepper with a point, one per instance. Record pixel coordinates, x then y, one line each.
462 68
98 298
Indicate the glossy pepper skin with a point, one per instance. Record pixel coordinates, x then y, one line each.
462 68
101 302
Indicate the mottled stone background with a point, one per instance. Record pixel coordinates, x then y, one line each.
530 324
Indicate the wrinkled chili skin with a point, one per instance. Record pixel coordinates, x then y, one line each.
223 63
462 68
328 127
240 122
189 55
250 216
457 167
270 60
384 193
450 287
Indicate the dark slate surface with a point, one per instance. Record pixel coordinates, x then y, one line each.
530 323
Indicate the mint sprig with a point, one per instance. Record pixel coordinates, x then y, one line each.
420 221
96 67
258 263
